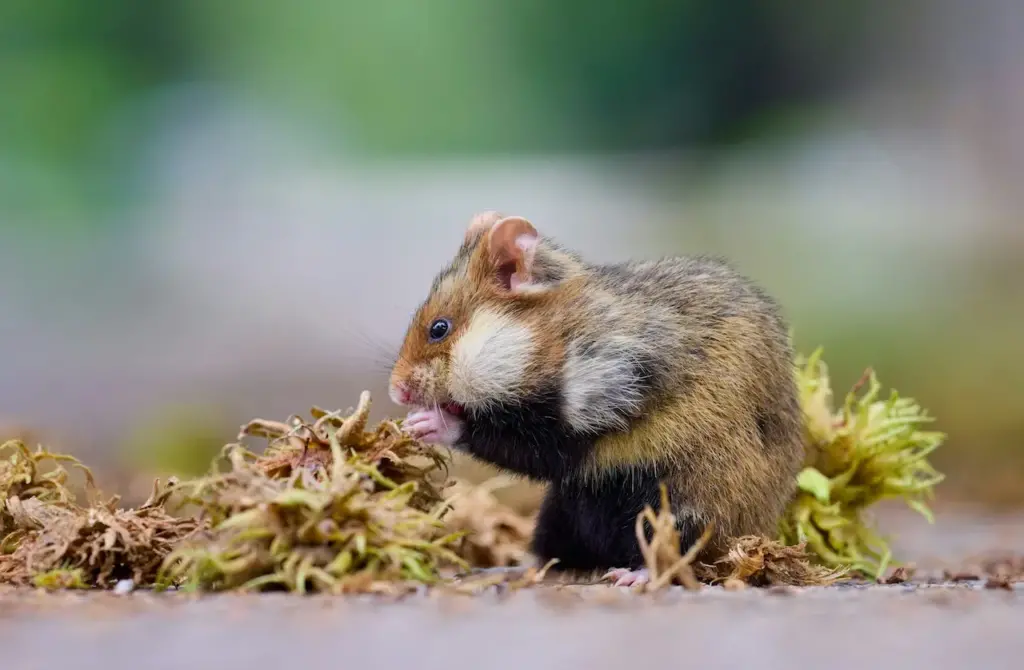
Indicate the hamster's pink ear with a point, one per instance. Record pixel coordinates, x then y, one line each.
482 222
512 242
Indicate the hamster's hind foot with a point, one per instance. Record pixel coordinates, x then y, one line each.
627 577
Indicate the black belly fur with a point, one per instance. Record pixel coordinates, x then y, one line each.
586 524
528 438
592 525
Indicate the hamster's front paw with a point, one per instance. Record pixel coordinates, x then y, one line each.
434 426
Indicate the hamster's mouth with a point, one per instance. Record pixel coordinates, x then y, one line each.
454 409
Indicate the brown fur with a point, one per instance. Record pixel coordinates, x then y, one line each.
725 472
723 416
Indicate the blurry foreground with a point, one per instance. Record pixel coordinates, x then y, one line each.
896 626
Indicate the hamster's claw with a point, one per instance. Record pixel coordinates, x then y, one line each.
627 577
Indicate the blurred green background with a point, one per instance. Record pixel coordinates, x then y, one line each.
216 210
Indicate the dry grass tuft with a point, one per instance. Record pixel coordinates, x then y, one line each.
662 553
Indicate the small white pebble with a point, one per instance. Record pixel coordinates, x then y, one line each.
124 587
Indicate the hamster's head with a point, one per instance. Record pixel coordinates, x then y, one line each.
472 342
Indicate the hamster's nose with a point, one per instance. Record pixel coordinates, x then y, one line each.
400 394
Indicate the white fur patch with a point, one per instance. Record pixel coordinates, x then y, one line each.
490 358
600 385
530 288
394 395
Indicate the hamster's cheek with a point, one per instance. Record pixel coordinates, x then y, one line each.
489 360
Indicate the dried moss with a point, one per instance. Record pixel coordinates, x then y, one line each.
494 535
759 561
48 540
329 506
750 561
38 475
868 450
332 506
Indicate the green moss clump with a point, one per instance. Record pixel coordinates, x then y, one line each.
327 507
870 449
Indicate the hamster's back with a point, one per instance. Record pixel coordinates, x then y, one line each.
682 309
728 398
702 288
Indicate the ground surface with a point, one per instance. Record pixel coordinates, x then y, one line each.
945 625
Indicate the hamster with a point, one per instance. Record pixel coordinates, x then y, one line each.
605 381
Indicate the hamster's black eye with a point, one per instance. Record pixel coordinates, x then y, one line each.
439 329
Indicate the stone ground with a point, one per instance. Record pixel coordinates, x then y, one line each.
943 624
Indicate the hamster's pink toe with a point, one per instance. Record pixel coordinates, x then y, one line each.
626 577
434 426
